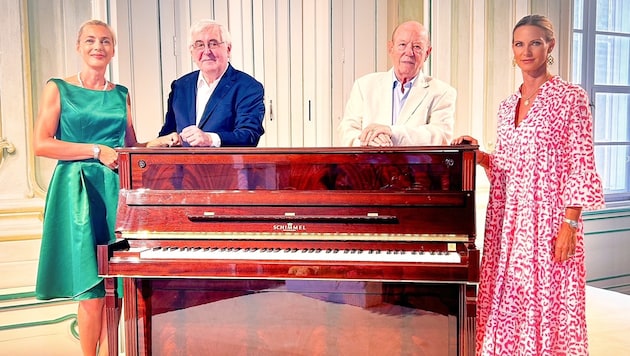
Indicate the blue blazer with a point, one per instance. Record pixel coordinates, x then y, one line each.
235 110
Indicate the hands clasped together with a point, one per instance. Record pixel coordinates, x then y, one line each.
376 135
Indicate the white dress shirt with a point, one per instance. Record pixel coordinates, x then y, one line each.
399 96
204 91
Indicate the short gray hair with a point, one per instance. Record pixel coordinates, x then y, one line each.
203 25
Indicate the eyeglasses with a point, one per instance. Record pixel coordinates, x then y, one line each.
416 48
212 44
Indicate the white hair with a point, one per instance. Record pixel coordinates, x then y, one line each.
203 25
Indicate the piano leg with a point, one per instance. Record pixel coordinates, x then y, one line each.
112 313
470 321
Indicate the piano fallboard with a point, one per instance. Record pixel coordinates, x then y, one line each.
410 219
396 193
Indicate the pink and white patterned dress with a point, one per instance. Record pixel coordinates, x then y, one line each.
528 304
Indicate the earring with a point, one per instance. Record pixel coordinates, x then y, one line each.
513 62
550 59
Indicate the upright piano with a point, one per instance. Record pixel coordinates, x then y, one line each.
294 251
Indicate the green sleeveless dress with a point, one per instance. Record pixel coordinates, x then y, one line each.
82 199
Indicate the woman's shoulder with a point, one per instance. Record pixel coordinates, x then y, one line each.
566 90
67 82
120 88
72 80
565 85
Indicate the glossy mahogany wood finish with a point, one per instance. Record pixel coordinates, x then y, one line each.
403 198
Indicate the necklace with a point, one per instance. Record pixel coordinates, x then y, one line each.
526 100
81 82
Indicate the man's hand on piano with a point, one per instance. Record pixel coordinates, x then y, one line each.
196 137
169 140
376 135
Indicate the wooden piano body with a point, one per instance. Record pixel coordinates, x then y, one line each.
219 248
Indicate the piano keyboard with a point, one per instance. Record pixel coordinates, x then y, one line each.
301 254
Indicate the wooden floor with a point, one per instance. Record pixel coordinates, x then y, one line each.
608 317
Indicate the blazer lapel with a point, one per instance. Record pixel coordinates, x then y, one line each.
416 97
223 87
192 100
385 115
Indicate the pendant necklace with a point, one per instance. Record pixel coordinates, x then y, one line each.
526 100
81 82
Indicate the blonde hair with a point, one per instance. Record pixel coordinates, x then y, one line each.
539 21
96 23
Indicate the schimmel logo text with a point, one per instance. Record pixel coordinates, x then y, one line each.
289 227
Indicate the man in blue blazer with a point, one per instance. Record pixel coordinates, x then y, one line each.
217 105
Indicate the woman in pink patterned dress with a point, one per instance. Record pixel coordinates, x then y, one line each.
542 174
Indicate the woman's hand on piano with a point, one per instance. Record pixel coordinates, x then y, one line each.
169 140
465 140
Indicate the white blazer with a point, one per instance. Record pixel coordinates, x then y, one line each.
427 118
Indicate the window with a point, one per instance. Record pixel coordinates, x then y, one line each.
601 64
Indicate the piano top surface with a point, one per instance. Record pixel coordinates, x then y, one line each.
396 169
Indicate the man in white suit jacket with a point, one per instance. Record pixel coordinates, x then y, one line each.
400 107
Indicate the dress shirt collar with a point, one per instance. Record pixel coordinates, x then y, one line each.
408 85
201 81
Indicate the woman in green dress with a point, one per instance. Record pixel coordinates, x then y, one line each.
81 119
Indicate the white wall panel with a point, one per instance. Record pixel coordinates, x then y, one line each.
359 46
606 245
258 57
283 64
364 37
322 107
246 29
146 76
204 9
296 74
309 59
236 18
270 53
171 58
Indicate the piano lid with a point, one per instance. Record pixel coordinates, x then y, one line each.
395 169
